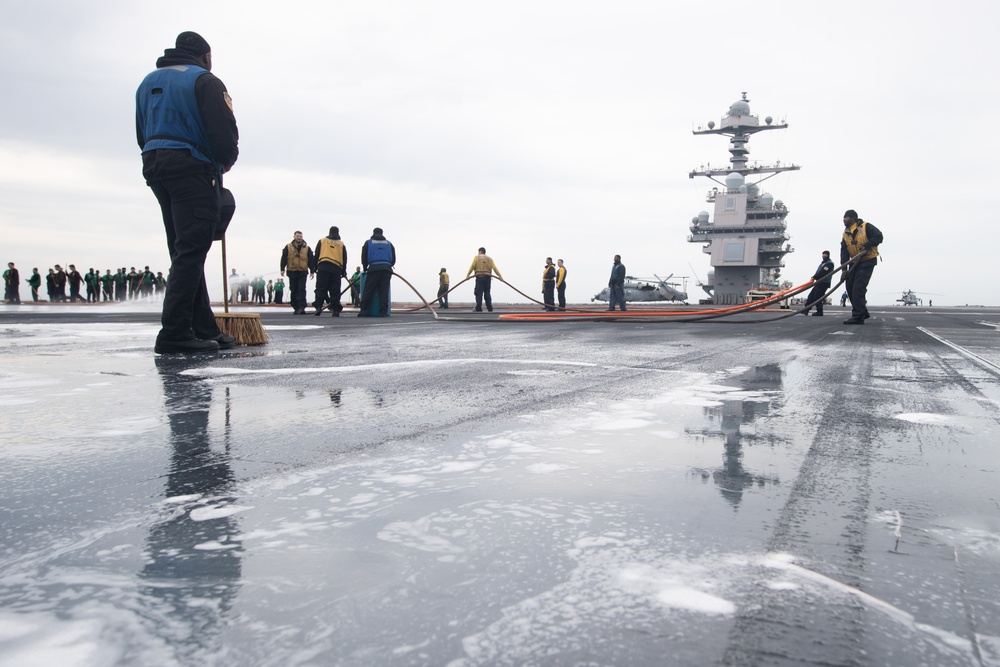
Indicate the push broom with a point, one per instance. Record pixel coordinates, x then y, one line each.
244 327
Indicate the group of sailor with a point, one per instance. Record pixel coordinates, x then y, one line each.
91 287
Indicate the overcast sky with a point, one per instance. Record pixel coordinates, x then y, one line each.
536 129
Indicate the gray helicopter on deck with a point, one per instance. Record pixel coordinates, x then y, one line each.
649 289
910 298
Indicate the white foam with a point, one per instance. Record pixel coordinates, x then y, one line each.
533 372
177 500
219 371
213 545
90 635
981 541
698 401
53 333
403 650
17 381
923 418
715 388
622 425
297 529
42 640
418 535
403 480
545 468
208 513
293 327
690 599
783 586
451 467
11 401
597 541
363 499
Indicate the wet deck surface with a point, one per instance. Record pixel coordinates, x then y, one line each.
404 491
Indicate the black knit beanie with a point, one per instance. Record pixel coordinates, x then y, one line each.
193 43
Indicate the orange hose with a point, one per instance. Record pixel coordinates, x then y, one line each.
606 314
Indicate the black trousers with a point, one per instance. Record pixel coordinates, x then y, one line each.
549 294
328 288
857 286
816 294
377 282
297 288
190 207
561 291
616 294
483 284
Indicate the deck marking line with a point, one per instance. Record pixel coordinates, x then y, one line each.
961 350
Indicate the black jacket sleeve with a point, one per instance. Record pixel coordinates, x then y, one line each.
874 235
220 122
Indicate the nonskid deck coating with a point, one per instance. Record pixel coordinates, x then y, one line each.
558 494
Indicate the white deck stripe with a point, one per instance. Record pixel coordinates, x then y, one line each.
961 350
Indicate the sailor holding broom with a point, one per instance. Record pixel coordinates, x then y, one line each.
187 132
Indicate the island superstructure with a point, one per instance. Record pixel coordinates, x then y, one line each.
746 237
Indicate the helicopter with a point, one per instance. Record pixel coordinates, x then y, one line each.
648 289
910 298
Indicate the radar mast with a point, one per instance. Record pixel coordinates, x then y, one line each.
747 237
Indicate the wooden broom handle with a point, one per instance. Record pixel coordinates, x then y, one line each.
225 278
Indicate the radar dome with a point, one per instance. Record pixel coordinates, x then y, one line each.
753 189
767 200
768 120
743 189
734 180
779 204
702 217
711 124
739 108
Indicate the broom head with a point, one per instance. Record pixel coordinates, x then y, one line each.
244 327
